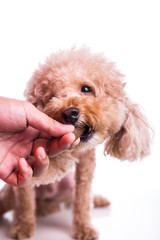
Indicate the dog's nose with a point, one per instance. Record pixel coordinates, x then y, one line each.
71 115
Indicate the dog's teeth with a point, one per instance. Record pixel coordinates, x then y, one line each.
90 129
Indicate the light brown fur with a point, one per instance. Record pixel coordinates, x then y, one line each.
110 115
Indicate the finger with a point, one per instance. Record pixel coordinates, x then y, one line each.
40 142
25 172
41 162
58 145
75 143
42 122
21 176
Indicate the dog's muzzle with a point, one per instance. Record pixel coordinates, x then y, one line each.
71 115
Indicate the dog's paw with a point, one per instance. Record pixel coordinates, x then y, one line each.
22 232
85 233
100 201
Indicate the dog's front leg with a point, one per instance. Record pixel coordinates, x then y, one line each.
83 197
24 215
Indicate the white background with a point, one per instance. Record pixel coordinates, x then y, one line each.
128 32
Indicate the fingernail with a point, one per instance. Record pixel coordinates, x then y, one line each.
24 162
42 154
75 143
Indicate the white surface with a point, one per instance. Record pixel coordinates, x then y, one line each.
133 214
128 33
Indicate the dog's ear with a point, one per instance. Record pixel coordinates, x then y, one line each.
38 91
133 140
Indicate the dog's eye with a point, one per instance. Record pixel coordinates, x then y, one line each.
86 89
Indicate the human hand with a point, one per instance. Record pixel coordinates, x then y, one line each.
21 124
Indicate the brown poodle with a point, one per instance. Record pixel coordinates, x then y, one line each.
83 89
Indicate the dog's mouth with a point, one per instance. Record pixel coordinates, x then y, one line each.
86 134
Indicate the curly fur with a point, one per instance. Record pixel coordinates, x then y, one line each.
112 117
